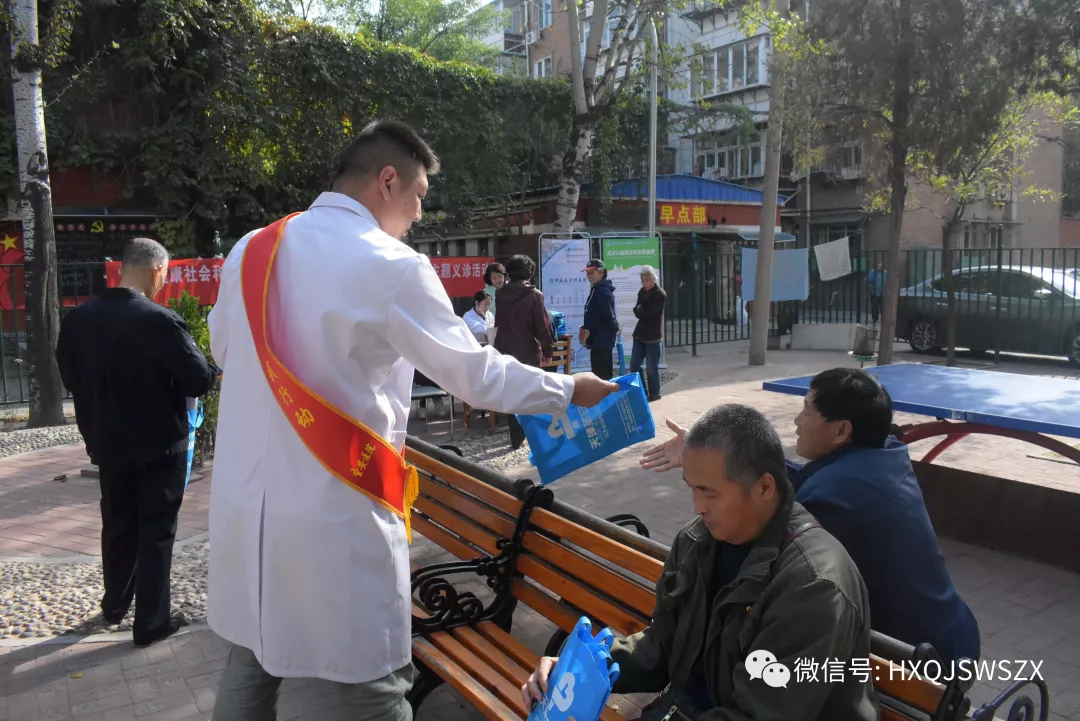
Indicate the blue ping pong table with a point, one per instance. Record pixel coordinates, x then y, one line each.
963 402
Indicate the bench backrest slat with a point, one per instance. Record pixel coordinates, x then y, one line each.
617 553
456 479
890 680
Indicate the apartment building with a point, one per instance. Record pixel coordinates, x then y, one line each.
536 39
724 66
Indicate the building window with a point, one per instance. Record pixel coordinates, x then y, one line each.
738 66
542 68
544 14
752 68
735 161
517 19
708 74
729 68
851 156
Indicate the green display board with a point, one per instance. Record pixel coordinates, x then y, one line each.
625 258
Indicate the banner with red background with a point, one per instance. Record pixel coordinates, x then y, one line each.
461 276
200 277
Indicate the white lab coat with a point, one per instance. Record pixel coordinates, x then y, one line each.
309 574
478 324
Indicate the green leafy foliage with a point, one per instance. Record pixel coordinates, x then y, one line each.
223 118
187 307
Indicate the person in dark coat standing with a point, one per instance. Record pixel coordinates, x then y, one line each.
131 365
649 332
524 330
600 327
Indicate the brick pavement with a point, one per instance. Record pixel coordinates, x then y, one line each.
1026 610
41 516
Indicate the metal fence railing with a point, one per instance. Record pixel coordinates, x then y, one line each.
1010 299
1006 299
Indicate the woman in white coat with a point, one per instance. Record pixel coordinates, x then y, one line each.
308 576
479 318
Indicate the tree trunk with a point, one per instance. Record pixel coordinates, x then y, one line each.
950 287
35 207
573 172
759 312
897 178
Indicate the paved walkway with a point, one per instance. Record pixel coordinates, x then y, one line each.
47 509
1026 610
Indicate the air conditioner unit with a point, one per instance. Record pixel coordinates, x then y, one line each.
530 38
850 173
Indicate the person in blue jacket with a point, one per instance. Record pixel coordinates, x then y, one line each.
600 327
861 487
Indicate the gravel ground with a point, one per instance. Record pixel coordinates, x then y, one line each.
51 599
39 600
13 443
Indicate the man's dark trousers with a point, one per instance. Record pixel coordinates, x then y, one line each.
602 363
139 507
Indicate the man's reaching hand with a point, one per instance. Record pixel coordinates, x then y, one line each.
667 455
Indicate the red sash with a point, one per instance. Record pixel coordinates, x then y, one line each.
344 446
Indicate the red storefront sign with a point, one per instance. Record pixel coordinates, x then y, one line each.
461 276
200 277
683 214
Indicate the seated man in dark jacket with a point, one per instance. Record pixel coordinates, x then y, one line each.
860 485
753 590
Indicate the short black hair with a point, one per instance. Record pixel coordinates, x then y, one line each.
493 268
750 444
520 267
383 143
480 296
853 395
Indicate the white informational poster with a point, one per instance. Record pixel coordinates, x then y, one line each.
562 278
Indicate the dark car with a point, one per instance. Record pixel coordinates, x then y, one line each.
1015 309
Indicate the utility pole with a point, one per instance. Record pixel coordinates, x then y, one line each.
759 316
652 131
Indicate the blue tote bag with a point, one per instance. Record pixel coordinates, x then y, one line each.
196 413
581 681
561 444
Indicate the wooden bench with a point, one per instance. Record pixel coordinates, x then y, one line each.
528 548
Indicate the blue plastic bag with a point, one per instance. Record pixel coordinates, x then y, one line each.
561 444
560 323
581 681
196 416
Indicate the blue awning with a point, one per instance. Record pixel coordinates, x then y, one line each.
686 189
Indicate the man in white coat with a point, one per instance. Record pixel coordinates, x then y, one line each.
308 576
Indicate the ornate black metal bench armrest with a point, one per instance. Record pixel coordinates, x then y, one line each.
1023 708
447 608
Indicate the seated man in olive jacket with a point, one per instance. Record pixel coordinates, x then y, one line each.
752 575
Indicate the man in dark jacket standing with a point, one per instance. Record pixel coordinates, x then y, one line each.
600 326
753 592
649 310
131 365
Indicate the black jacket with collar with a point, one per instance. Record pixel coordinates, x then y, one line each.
131 365
649 310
